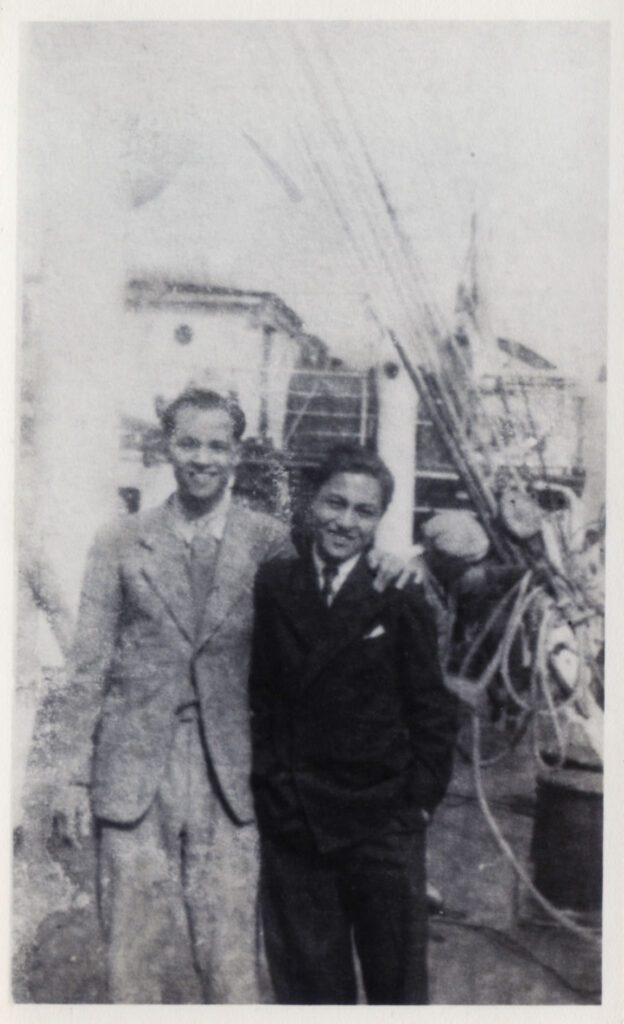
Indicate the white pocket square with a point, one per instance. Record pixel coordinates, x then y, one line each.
377 631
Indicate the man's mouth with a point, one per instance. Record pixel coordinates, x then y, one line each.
202 474
339 538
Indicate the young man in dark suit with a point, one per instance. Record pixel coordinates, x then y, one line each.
352 736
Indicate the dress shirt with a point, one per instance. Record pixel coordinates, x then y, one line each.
342 571
212 523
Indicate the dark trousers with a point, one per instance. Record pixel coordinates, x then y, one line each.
316 906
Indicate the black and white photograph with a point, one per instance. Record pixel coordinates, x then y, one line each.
310 512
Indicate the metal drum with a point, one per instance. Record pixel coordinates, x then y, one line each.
566 848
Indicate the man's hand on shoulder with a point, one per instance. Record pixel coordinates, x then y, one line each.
397 570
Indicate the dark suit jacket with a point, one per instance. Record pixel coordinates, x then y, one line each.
351 723
137 651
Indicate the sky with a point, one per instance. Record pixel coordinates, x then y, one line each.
191 138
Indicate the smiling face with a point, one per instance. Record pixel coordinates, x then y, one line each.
344 515
203 453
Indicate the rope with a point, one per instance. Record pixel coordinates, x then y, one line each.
559 916
489 622
542 671
513 625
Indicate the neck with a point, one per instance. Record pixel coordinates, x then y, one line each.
194 508
320 554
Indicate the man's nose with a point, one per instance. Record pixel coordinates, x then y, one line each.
347 519
202 455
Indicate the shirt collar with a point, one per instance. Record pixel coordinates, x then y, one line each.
212 523
342 569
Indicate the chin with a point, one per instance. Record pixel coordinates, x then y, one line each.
199 495
339 554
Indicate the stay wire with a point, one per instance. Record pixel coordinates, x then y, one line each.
441 329
381 251
343 146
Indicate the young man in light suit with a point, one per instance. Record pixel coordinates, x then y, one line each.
160 669
353 732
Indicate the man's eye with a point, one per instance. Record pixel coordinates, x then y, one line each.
186 442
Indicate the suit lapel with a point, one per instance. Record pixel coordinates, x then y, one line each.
301 602
327 633
356 603
163 566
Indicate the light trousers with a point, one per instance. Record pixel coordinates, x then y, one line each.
178 893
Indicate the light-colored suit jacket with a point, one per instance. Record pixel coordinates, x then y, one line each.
137 646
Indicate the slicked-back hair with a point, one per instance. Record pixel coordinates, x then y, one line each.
202 398
353 458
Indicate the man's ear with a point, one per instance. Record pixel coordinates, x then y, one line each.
237 451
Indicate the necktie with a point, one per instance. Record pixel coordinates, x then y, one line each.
202 559
328 575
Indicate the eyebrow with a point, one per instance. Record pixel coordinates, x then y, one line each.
198 440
